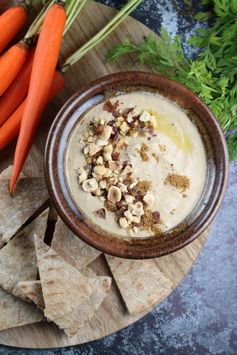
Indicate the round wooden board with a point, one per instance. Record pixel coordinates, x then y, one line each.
112 315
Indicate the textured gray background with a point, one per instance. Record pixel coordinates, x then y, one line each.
200 317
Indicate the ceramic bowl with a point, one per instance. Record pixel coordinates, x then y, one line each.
217 165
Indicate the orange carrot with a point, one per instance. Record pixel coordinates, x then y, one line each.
17 91
11 128
11 21
45 61
11 63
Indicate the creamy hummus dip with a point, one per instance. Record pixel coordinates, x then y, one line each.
136 165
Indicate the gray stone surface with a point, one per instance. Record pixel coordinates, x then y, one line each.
200 317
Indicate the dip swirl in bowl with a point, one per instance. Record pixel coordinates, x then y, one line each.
136 165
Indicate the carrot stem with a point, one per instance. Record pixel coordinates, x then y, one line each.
37 23
45 60
101 35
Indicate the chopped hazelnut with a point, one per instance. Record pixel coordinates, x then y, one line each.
90 185
123 223
114 194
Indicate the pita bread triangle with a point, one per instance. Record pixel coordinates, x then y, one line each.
15 312
71 248
30 291
29 196
70 297
140 283
17 258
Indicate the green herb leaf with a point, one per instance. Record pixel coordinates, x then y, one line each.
213 75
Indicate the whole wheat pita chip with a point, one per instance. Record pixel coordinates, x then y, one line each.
30 291
88 272
140 283
29 196
70 297
72 322
18 259
71 248
15 313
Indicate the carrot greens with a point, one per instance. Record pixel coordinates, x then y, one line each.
213 75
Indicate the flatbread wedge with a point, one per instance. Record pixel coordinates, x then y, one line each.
15 313
70 298
140 283
71 248
18 259
29 196
30 291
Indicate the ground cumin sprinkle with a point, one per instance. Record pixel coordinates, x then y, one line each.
148 222
143 187
143 152
178 181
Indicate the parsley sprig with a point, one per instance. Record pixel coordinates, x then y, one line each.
213 75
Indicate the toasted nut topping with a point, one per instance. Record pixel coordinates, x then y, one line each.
137 209
107 156
100 170
123 223
93 149
101 142
103 184
97 177
129 216
145 117
90 185
149 199
99 160
133 184
114 165
107 132
135 229
108 173
115 155
122 187
86 150
82 175
129 198
136 219
124 127
98 130
97 192
138 204
113 181
127 169
90 139
130 118
108 148
114 194
101 213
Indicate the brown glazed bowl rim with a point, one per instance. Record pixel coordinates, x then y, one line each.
217 162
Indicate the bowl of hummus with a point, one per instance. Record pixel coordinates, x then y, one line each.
136 165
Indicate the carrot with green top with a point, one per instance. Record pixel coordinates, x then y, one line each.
45 61
10 129
17 91
11 21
